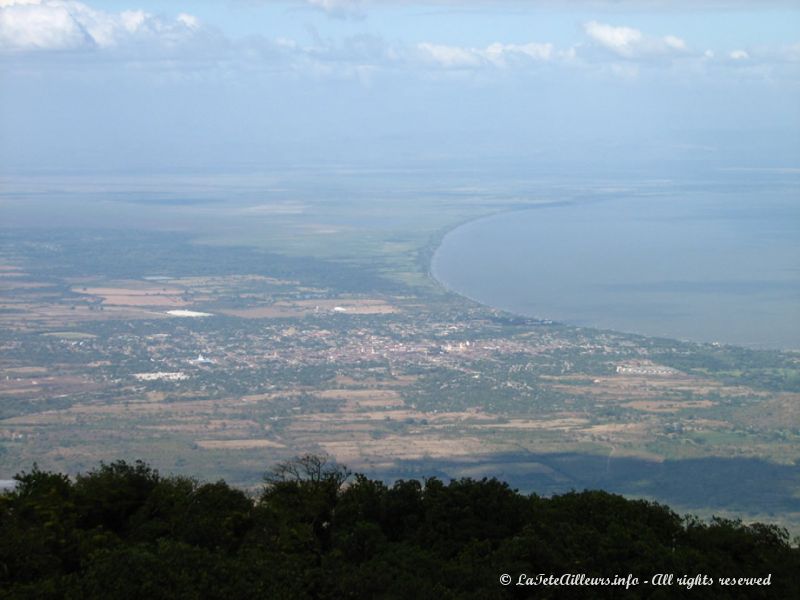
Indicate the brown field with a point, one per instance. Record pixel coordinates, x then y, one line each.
225 282
359 395
360 399
8 285
779 411
276 311
70 335
122 409
238 444
649 388
372 403
407 447
37 384
399 381
666 406
201 425
126 296
323 420
55 315
269 397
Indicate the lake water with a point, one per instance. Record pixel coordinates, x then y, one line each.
697 266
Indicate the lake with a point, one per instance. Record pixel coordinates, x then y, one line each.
703 266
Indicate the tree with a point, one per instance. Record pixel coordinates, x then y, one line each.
311 468
302 494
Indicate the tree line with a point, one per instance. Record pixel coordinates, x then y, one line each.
124 531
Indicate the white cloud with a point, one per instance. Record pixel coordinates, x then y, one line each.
500 53
674 42
785 56
619 39
497 54
132 20
27 25
30 26
190 21
450 56
184 46
628 42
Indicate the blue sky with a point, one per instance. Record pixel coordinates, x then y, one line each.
245 84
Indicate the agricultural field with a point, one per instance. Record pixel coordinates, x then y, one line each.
200 356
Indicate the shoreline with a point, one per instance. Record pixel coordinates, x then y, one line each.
429 251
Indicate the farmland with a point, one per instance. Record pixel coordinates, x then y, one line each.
201 356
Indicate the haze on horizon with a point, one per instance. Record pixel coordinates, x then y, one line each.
134 86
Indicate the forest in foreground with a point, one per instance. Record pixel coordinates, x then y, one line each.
314 530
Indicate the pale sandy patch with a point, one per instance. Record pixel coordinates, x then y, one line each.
25 370
525 424
188 313
616 428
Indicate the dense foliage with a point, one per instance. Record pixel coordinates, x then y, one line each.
124 531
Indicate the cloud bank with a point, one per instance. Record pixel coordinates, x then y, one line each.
68 25
495 55
628 42
30 28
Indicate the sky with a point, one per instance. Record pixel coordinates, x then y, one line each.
141 86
